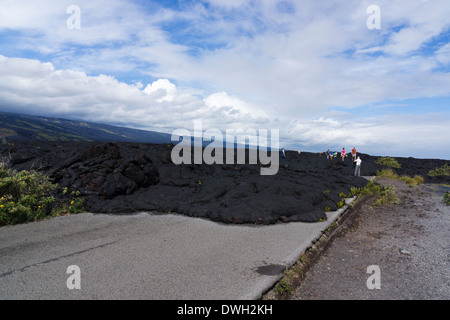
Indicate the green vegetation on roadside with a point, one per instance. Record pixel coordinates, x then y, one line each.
441 171
383 194
24 196
388 161
27 196
283 286
446 199
390 174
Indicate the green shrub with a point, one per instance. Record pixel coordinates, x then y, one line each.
27 196
441 171
354 191
415 181
383 194
24 196
447 198
341 203
389 174
388 161
76 203
342 195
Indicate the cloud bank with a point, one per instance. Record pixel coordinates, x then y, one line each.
309 68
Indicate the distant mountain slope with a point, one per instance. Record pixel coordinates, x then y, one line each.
28 128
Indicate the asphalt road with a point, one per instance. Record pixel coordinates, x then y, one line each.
148 256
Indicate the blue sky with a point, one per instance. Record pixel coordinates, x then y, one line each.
312 69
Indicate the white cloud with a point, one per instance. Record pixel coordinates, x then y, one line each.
163 88
233 105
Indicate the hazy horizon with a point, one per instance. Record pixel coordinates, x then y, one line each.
310 149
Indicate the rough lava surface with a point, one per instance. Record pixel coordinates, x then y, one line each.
127 177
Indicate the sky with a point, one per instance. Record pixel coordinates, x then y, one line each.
374 75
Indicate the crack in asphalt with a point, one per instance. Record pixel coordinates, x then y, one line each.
56 259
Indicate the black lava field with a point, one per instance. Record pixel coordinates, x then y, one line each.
134 177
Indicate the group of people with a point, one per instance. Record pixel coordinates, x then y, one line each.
356 160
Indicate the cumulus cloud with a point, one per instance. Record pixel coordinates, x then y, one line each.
163 88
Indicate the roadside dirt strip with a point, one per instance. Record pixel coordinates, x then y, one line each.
389 252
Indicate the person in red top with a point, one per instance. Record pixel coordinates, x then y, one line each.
353 157
354 154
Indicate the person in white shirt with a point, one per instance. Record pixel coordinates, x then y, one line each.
358 167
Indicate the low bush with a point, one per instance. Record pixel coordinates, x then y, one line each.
388 161
27 196
382 194
24 196
75 204
446 199
441 171
390 174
